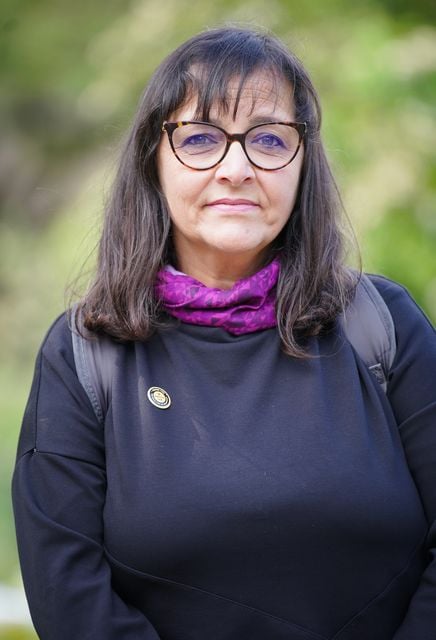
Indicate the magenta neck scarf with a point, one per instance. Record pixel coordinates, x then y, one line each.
247 307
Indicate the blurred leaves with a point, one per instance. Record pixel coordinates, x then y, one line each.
16 633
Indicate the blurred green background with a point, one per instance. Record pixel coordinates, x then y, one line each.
71 75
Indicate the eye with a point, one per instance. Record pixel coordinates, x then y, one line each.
268 140
198 140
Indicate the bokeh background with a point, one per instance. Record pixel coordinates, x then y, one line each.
71 75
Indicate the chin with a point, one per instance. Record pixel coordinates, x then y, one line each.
237 247
239 242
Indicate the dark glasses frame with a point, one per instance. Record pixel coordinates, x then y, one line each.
170 127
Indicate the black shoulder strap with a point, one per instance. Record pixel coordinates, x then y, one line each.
367 323
369 327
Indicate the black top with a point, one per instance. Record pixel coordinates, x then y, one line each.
276 499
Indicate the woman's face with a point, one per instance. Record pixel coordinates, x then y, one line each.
233 211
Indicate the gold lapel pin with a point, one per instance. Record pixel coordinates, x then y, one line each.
159 397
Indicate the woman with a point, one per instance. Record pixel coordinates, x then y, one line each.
268 489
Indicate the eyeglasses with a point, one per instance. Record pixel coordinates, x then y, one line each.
268 146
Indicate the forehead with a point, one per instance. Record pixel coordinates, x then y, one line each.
260 93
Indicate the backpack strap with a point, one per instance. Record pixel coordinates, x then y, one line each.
95 360
370 329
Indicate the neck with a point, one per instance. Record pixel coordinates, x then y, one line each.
219 272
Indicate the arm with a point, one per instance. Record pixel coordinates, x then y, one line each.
412 393
58 490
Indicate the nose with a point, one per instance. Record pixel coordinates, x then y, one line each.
235 167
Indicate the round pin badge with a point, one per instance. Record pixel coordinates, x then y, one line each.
159 397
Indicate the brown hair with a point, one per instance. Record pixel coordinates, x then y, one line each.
314 285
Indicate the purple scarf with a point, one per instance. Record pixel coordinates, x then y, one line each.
247 307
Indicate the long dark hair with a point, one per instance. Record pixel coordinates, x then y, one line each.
314 285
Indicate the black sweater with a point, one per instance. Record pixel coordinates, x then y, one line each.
276 499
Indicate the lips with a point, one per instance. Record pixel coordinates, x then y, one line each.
233 205
233 202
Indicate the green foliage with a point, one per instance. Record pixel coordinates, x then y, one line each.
71 75
401 248
17 633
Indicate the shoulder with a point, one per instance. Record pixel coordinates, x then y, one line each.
59 418
414 367
411 388
389 289
404 309
57 341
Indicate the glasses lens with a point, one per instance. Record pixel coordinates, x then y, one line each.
199 145
272 145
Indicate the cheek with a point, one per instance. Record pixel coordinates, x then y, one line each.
293 184
283 194
184 191
174 179
181 195
168 171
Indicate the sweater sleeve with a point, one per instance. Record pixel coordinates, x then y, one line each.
412 393
58 492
